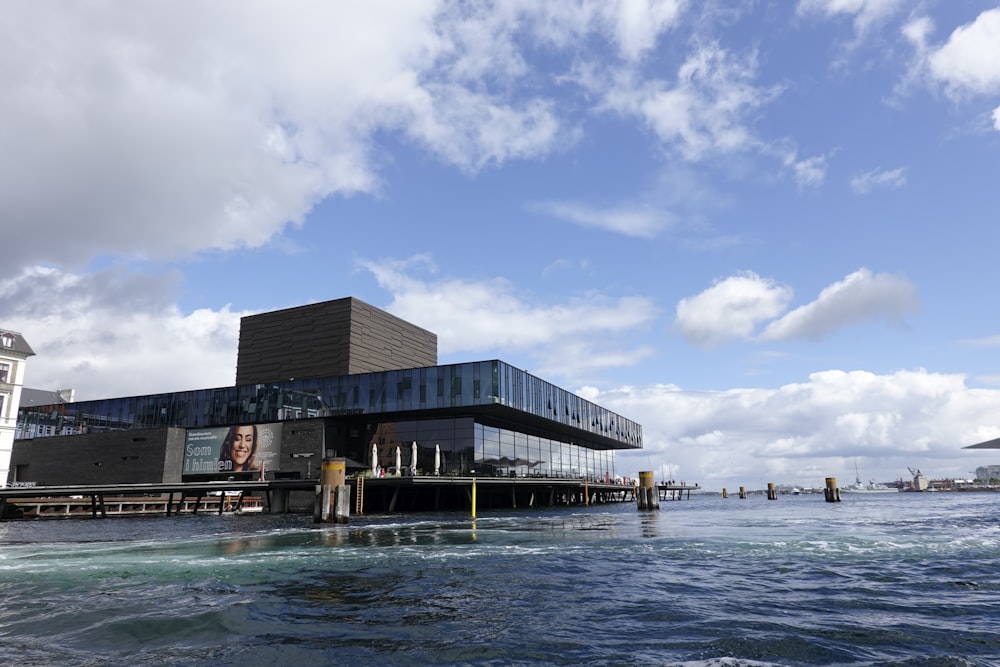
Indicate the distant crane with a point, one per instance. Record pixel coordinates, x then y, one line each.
920 482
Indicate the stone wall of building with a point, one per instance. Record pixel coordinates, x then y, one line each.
118 457
148 456
340 337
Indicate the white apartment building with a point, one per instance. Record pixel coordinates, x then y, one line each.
14 352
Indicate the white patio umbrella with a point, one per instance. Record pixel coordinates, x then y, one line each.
413 458
437 459
399 461
374 459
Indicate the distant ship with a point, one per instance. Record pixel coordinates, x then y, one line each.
870 487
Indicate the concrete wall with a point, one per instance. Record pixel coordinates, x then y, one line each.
339 337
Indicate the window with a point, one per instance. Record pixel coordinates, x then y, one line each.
4 372
7 340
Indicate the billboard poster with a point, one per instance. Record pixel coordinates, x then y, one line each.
229 449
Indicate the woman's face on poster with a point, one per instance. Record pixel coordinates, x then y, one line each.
242 445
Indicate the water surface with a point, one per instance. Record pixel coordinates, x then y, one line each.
912 579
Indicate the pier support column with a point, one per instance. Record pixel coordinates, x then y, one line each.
725 492
332 503
772 492
341 503
831 492
743 493
279 501
648 498
321 504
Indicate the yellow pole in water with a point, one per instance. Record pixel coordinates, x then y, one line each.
473 497
648 496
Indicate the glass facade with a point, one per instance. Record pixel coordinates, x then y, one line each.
486 414
464 446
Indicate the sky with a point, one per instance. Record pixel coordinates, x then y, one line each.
766 231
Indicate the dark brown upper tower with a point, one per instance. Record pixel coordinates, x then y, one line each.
340 337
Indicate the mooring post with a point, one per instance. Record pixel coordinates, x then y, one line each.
330 501
831 492
772 492
743 493
725 492
648 498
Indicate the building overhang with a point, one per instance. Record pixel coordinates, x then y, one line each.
502 416
989 444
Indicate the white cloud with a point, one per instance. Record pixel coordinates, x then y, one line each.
917 30
730 309
638 23
563 264
733 308
129 146
113 333
632 25
867 13
490 316
150 149
639 221
996 119
810 172
706 111
859 297
879 178
970 60
989 341
800 433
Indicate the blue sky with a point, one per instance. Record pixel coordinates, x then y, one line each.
764 230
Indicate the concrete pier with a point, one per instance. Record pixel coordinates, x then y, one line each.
366 494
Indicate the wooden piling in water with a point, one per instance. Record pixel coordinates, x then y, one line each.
831 492
332 502
647 496
772 491
725 492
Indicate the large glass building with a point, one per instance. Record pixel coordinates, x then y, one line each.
486 418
